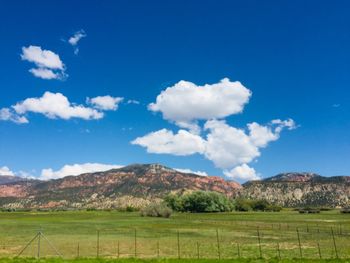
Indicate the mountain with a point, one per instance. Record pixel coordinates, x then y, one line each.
301 189
139 184
5 179
133 185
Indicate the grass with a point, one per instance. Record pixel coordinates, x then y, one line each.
131 260
209 236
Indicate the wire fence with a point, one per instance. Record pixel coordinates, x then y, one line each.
244 241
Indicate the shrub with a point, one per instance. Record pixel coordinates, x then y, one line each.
130 208
273 208
174 202
259 205
345 210
156 210
245 205
309 210
199 202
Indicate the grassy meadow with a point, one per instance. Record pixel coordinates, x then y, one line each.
110 235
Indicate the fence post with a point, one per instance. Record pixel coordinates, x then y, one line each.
78 251
238 251
39 237
259 241
198 250
300 251
135 245
178 244
118 249
158 252
98 244
218 243
335 245
278 250
319 250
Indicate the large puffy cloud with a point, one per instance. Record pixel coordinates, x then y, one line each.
105 102
6 171
56 105
185 102
48 64
76 169
229 148
242 172
165 141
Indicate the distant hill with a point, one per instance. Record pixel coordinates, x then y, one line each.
133 185
137 185
301 189
5 179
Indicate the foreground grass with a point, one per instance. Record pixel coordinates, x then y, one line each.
225 235
29 260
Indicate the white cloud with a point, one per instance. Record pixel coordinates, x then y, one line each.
48 64
56 105
6 171
242 172
260 135
186 102
226 146
76 169
7 114
165 141
105 102
44 73
189 171
281 124
73 40
42 58
133 102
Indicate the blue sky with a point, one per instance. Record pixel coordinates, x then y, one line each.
293 56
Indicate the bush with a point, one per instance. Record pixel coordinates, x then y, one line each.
309 210
130 208
273 208
345 210
199 202
245 205
156 210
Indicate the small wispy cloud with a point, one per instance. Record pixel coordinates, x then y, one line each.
133 102
74 40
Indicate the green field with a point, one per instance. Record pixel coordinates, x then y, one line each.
185 236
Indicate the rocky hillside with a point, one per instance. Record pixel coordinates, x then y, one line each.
301 189
133 185
137 185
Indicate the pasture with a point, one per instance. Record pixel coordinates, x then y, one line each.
239 235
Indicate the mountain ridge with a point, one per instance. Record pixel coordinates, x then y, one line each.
139 184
